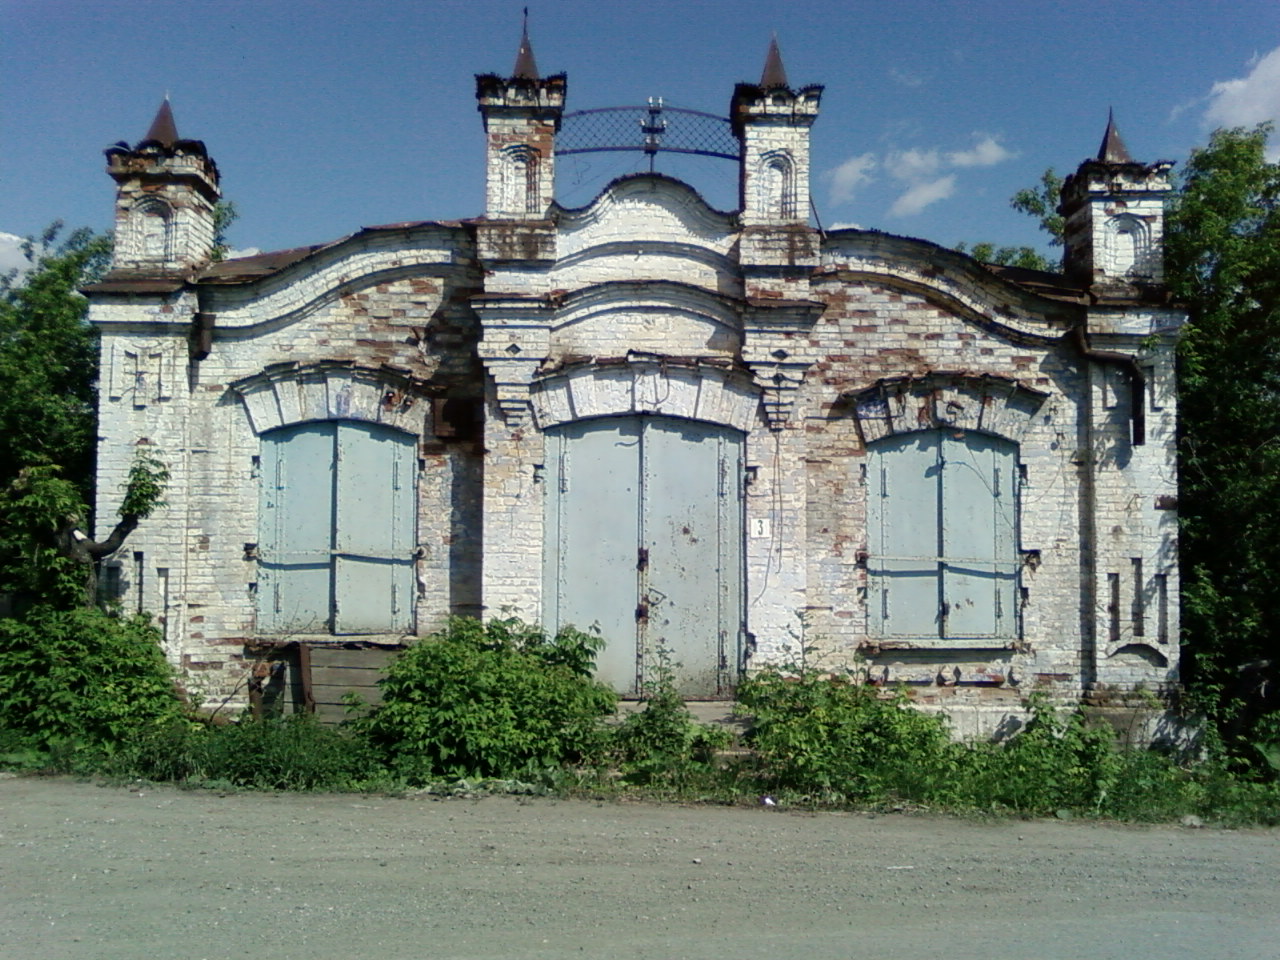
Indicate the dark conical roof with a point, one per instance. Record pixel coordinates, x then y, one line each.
1113 149
774 74
526 66
163 130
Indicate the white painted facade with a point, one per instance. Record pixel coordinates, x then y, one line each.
820 351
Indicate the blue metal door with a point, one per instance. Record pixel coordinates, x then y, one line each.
337 527
644 528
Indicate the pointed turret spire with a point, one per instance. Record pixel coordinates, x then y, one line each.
526 67
163 130
1113 149
774 74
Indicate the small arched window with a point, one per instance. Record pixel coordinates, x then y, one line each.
519 172
1129 246
154 223
778 186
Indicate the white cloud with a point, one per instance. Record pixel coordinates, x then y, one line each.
1248 100
987 152
924 174
845 225
913 165
922 195
11 254
849 176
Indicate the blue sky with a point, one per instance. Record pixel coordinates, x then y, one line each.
325 116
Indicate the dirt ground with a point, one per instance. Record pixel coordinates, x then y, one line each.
109 872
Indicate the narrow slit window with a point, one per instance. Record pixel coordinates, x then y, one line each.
1113 605
138 570
1139 605
1162 601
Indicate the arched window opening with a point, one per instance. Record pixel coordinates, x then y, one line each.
942 532
336 529
1129 243
778 186
154 224
520 193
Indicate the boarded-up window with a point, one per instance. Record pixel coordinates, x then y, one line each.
336 542
942 536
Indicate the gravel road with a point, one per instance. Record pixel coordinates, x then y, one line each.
110 872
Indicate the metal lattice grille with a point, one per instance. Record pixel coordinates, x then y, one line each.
647 129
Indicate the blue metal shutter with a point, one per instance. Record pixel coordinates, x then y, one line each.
979 542
296 529
903 535
373 529
942 535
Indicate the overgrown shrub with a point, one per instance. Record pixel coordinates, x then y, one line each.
83 677
290 753
492 699
1056 763
663 745
838 740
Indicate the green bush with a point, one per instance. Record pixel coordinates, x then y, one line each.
1055 763
84 678
494 699
291 753
834 739
662 745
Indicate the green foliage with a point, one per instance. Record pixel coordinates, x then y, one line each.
1028 258
37 511
291 753
662 745
1055 763
144 490
1222 245
1041 202
490 699
49 358
82 677
224 215
839 740
33 509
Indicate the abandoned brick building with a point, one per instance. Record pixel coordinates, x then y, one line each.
724 434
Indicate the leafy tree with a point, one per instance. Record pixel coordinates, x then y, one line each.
1027 257
1223 259
1040 202
224 215
48 427
49 358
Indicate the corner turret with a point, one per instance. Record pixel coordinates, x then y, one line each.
521 118
771 122
1113 208
166 191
